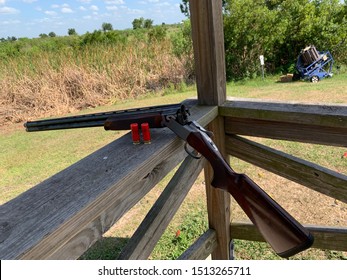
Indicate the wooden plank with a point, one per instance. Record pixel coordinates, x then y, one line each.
201 248
142 243
329 238
64 215
332 136
208 43
312 123
218 201
311 175
326 115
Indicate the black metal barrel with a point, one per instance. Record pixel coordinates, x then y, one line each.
97 119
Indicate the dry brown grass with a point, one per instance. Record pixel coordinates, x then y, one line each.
58 83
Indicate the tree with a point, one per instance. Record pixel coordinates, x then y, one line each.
71 32
250 30
184 6
279 30
148 23
107 27
52 34
11 39
138 23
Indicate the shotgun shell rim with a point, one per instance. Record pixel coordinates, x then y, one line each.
135 133
146 133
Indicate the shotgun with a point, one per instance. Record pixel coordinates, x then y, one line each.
285 235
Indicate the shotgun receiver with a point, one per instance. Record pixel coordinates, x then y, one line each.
285 235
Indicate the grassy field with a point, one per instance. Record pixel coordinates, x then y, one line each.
29 158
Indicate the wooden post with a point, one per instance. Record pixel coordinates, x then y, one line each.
208 43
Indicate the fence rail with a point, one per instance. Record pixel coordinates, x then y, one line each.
64 215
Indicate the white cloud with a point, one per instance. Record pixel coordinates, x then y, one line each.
111 8
133 11
114 2
50 13
28 1
8 10
2 1
85 1
10 22
94 8
66 10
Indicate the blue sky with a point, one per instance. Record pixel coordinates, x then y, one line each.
29 18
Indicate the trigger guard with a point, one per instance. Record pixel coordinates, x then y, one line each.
195 155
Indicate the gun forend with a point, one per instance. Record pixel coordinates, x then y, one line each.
285 235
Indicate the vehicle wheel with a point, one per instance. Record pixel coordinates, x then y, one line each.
314 79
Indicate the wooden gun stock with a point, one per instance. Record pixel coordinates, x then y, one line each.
285 235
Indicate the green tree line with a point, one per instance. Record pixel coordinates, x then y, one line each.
279 30
15 47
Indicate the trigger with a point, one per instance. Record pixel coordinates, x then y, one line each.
194 153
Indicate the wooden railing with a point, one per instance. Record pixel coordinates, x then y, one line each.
310 123
63 216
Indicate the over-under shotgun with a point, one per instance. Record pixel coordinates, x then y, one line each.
285 234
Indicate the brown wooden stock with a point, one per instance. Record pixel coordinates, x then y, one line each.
285 235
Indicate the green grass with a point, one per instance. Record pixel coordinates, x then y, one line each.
329 90
29 158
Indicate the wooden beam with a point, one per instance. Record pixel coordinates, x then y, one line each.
306 173
63 216
327 115
312 123
142 243
208 43
328 238
305 133
218 201
201 248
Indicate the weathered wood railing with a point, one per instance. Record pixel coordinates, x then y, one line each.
61 217
309 123
64 215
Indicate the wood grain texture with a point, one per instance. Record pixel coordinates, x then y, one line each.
202 248
208 43
309 123
305 133
306 173
328 115
63 216
218 201
142 243
328 238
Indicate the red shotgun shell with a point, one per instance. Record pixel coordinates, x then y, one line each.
146 133
135 133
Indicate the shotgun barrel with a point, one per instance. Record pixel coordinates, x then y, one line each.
98 119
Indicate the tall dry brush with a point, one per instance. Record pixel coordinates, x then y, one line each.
56 83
